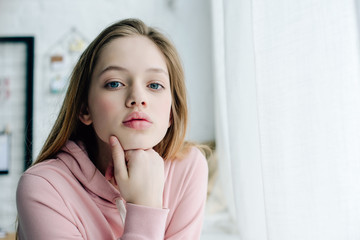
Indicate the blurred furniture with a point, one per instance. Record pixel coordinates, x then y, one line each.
9 236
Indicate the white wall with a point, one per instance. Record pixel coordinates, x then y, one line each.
186 22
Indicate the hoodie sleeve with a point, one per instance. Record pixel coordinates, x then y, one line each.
144 223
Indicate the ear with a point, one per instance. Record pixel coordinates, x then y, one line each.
85 116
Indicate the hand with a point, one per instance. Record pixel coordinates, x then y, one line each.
139 174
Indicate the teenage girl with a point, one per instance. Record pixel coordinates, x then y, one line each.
115 164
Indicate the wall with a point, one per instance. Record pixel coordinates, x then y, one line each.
186 22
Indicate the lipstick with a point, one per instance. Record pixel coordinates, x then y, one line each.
137 121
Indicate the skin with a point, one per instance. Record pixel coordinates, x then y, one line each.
130 81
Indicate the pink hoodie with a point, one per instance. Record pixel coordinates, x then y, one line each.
68 198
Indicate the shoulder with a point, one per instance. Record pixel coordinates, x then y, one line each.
41 176
43 194
38 187
191 167
48 179
192 159
50 170
59 167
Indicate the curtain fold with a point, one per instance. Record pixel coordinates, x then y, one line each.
287 92
236 117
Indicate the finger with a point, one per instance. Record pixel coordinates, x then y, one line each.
118 158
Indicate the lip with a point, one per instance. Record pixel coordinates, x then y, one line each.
137 121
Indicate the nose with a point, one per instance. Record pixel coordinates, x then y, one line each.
136 97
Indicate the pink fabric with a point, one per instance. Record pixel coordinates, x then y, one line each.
68 198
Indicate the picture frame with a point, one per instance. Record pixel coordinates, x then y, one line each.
16 95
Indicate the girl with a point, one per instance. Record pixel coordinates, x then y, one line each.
115 164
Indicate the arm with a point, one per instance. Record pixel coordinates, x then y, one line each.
187 219
140 179
41 211
145 221
190 184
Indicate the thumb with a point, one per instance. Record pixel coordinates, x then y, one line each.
120 169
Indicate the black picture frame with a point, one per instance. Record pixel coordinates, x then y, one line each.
29 42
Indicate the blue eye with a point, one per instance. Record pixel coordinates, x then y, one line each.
114 85
155 86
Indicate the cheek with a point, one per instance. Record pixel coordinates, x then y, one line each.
102 107
102 111
165 109
106 105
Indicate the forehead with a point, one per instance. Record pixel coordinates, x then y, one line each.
132 52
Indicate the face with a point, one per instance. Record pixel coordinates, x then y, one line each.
129 95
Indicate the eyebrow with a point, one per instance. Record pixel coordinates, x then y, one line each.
122 69
113 68
158 70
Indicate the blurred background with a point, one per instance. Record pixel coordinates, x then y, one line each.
273 87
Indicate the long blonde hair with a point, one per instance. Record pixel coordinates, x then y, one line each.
68 126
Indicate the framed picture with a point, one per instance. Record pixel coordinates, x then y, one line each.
16 100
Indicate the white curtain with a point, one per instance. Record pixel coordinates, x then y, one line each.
287 99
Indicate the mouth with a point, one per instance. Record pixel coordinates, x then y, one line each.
137 121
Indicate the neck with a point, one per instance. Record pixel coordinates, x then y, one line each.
103 157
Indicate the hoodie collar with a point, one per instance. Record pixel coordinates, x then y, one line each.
75 157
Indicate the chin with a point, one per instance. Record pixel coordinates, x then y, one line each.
130 141
130 145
